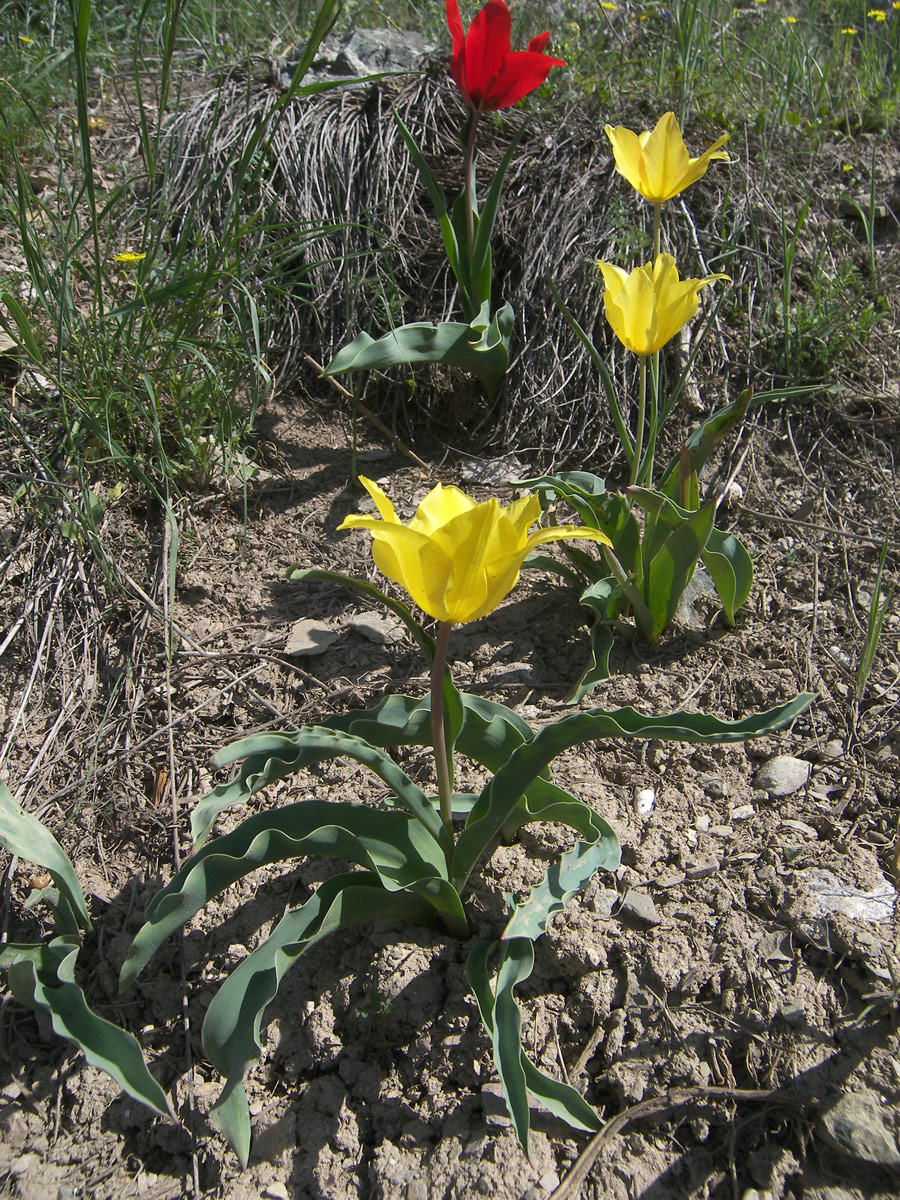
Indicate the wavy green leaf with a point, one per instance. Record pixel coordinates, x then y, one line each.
705 439
398 851
671 568
231 1030
28 838
562 879
512 781
481 347
43 977
272 756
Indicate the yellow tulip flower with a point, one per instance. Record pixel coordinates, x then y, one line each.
648 307
456 558
656 163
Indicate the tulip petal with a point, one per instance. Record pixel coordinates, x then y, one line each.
441 505
521 73
474 540
486 47
559 533
410 558
382 503
628 156
666 161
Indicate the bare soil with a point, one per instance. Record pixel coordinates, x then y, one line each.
705 963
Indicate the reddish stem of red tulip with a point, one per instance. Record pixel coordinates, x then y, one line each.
441 762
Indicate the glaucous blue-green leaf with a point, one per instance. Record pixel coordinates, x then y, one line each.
568 875
28 838
398 851
43 977
501 1018
271 756
511 782
231 1029
671 568
705 439
731 570
481 347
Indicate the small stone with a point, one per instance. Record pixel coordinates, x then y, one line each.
721 831
275 1191
669 879
604 902
855 1125
701 869
644 800
792 1014
483 1185
702 823
802 828
714 786
494 1107
743 812
549 1181
756 1194
828 895
833 749
416 1190
783 775
308 638
377 628
640 908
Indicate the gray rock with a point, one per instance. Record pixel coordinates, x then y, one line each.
783 775
604 902
714 786
854 1124
827 895
689 612
640 908
377 627
308 638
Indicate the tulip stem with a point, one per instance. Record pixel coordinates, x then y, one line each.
641 418
657 221
441 761
470 192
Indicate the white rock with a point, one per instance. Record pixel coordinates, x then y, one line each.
644 800
308 638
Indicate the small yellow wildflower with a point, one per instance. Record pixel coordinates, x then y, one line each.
789 20
847 167
849 31
27 40
128 257
608 5
896 5
877 14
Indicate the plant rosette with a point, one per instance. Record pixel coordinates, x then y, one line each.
416 851
490 76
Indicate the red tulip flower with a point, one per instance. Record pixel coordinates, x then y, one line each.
487 72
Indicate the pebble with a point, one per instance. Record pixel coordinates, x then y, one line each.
604 902
714 786
307 638
640 907
743 812
702 823
721 831
833 749
829 895
644 800
275 1191
854 1124
802 828
377 628
416 1190
783 775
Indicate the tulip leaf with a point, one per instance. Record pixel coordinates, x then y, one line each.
368 590
481 347
731 570
511 782
231 1029
670 569
42 977
572 872
438 199
481 251
397 851
706 438
271 756
502 1020
23 835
